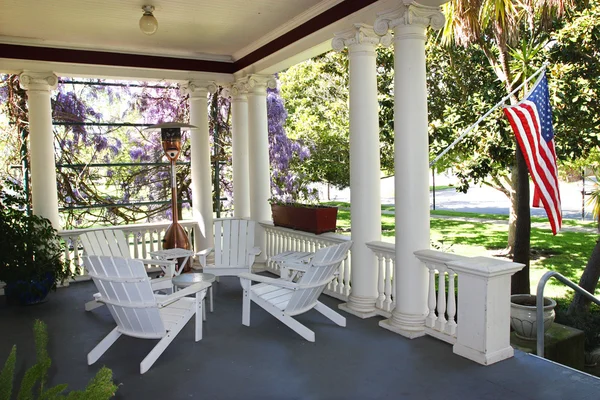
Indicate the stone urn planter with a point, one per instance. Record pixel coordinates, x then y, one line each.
523 315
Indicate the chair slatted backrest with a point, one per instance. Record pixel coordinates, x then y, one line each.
233 240
125 288
321 271
105 243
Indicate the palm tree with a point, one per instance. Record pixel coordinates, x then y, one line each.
500 28
591 274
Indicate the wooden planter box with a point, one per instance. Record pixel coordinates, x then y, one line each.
313 219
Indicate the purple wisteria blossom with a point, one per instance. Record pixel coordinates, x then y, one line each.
285 184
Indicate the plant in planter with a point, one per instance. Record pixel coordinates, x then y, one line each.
30 251
523 317
315 219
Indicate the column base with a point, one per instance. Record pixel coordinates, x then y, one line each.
409 326
347 307
481 357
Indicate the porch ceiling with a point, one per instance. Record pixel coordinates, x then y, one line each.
224 36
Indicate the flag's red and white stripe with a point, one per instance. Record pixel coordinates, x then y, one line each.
540 157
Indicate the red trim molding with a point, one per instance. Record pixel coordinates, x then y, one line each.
322 20
111 59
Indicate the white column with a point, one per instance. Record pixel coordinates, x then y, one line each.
364 164
201 166
41 144
239 144
260 176
411 156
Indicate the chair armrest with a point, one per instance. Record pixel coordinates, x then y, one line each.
254 251
195 288
271 281
303 267
202 254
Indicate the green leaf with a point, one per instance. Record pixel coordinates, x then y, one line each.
7 374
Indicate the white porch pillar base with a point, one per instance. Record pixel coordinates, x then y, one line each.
411 159
359 307
201 168
44 195
259 166
239 144
408 326
365 168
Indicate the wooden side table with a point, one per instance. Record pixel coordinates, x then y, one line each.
289 272
173 254
188 279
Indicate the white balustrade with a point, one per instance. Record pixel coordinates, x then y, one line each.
385 253
441 300
280 239
483 308
142 238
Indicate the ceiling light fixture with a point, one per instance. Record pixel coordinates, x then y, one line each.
148 24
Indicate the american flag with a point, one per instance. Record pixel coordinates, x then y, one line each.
531 121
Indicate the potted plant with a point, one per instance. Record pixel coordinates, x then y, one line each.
30 251
523 316
313 218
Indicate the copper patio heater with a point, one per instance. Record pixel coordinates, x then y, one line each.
175 236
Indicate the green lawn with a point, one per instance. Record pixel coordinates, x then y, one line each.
566 253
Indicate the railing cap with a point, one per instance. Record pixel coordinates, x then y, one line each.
485 266
437 257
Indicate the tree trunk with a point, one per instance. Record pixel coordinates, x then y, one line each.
520 280
588 281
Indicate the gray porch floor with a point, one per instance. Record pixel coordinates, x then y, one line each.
270 361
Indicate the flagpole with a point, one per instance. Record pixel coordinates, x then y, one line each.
501 102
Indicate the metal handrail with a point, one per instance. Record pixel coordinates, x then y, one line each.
540 304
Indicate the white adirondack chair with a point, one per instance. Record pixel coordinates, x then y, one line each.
234 249
284 299
110 242
125 288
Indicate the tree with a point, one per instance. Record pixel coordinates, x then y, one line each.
575 56
316 97
501 30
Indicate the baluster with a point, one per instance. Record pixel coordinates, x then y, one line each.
391 278
388 285
380 280
347 270
440 323
143 239
132 243
431 317
78 257
152 240
267 248
451 325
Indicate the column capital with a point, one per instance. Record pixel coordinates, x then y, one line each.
199 89
38 81
237 90
359 34
258 84
413 14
